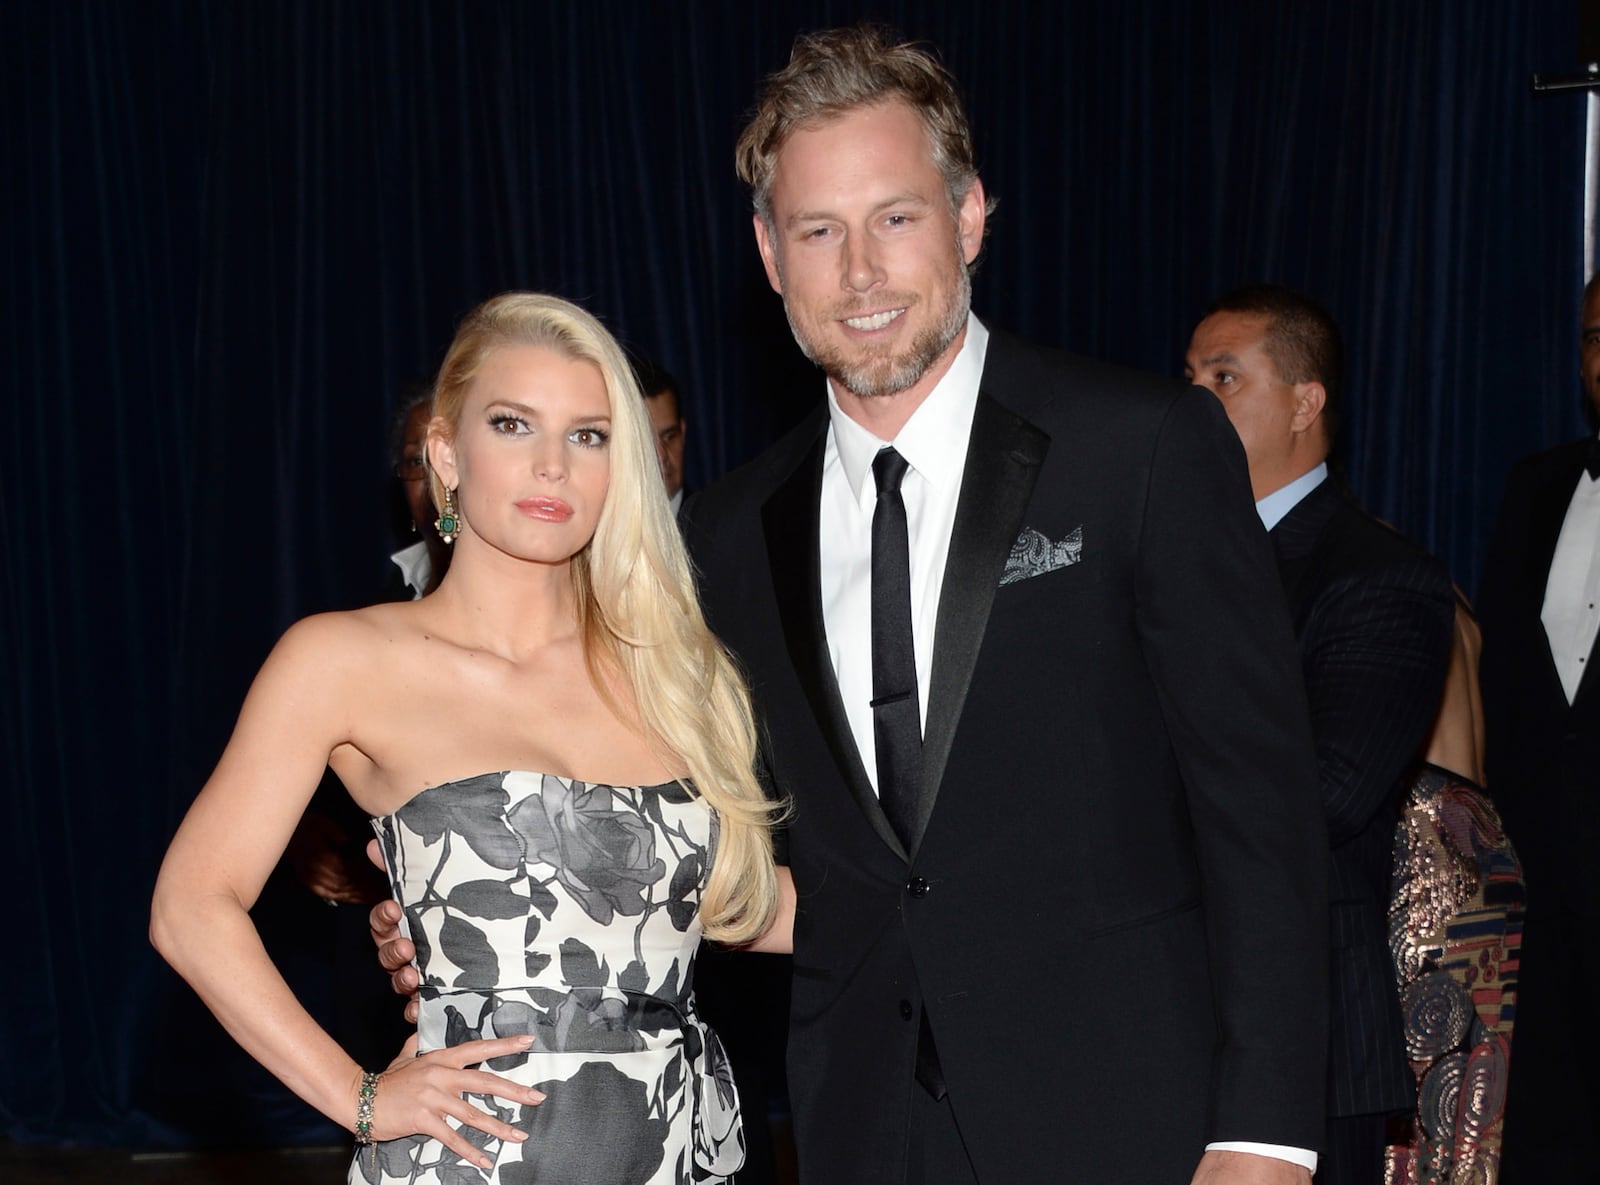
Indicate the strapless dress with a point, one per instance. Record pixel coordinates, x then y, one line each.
569 910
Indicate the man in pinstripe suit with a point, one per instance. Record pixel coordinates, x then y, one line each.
1372 615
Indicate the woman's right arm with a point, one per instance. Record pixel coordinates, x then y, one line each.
298 710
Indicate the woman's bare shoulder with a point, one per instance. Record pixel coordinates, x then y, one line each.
353 640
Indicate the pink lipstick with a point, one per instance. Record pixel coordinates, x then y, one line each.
549 510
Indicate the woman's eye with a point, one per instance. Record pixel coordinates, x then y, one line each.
508 425
590 437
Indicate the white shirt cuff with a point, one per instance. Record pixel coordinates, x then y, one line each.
1303 1157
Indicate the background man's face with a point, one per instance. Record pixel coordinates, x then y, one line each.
1589 349
1226 357
667 427
865 250
413 477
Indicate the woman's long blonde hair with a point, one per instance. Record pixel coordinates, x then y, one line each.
638 613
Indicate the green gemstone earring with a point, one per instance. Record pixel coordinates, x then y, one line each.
448 524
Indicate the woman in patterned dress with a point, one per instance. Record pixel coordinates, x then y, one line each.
1455 932
559 760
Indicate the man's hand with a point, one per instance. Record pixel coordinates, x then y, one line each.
1246 1168
395 951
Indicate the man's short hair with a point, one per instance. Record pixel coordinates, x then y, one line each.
1303 342
415 394
836 71
655 379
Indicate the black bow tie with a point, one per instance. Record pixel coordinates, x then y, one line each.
1591 459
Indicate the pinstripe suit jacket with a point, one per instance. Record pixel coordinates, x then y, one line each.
1372 614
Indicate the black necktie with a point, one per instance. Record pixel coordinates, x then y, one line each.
896 711
1591 462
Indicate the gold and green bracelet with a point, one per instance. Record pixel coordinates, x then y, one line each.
364 1101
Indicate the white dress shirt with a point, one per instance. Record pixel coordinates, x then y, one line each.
1275 507
1572 590
934 443
416 567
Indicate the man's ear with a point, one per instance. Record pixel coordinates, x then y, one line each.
442 452
1309 399
769 252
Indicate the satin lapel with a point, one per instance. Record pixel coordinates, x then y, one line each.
1003 459
1588 684
1550 514
790 520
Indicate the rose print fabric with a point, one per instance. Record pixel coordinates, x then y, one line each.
568 910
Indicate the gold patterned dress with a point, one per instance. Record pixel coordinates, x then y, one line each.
1455 930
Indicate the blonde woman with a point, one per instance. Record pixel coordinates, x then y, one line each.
558 759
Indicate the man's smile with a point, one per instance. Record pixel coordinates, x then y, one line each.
874 320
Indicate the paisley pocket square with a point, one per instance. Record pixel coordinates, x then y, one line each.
1034 555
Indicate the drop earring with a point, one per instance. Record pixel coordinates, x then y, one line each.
448 524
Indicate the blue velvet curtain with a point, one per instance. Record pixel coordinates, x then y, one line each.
235 231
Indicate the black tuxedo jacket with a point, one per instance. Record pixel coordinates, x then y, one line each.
1542 757
1373 615
1114 912
1541 753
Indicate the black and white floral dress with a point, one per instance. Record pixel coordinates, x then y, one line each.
568 910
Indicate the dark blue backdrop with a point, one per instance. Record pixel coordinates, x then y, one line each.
235 231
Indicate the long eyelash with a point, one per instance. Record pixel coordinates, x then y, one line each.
504 417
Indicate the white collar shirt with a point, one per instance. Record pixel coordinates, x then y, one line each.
1572 589
1275 507
416 567
934 443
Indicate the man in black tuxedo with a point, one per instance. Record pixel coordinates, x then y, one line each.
1541 701
1019 650
1373 616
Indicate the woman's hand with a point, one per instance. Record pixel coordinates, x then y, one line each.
417 1095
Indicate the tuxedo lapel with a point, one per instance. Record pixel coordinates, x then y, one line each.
790 520
1294 539
1003 459
1549 514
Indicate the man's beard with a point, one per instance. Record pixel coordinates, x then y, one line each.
882 373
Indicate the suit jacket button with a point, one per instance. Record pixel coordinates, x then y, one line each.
918 887
906 1010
